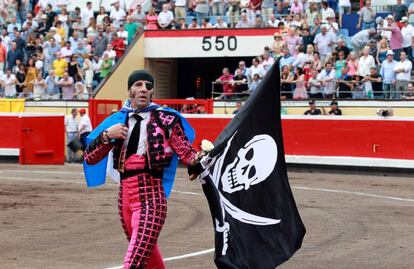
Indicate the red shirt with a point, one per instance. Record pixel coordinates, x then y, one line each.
3 54
227 87
119 47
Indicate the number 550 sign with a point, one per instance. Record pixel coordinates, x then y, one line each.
219 43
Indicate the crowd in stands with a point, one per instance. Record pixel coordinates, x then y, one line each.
47 52
318 59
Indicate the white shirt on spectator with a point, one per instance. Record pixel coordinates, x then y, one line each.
300 60
85 121
323 41
123 35
86 15
111 53
365 64
406 75
180 3
66 53
267 63
344 3
326 13
273 24
329 86
165 18
44 3
9 89
71 124
117 16
58 38
257 70
407 33
39 65
220 25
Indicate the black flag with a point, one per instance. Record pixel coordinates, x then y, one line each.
257 224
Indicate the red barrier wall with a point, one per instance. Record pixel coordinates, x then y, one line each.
323 136
40 138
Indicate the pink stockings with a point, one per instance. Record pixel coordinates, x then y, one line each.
143 209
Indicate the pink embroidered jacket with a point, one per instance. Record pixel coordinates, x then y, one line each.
160 144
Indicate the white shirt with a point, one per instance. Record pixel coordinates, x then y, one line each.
257 70
323 41
111 54
117 15
9 89
329 87
329 12
344 3
142 131
71 124
273 24
407 33
222 25
300 60
165 18
85 121
180 3
66 53
406 75
365 64
86 15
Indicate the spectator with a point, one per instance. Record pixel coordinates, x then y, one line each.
292 40
358 90
327 78
25 94
396 37
201 9
132 28
52 88
8 81
267 9
226 80
87 14
119 47
234 12
403 75
180 9
382 51
165 17
340 63
326 11
217 7
12 55
31 75
193 24
376 83
106 65
259 23
365 62
389 76
151 20
409 95
139 16
20 77
272 22
301 57
278 44
312 109
66 52
255 68
220 23
255 82
286 79
3 54
71 126
324 43
286 59
296 8
59 65
81 92
73 67
352 64
85 127
366 17
39 87
88 71
238 107
100 43
410 13
400 10
244 22
300 89
67 85
101 16
267 61
205 23
79 28
239 83
360 39
345 85
344 8
407 32
334 109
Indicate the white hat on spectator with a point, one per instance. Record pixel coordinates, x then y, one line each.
404 19
390 52
44 16
53 29
390 17
378 20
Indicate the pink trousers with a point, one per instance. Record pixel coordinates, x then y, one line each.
143 208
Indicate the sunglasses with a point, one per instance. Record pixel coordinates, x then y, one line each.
148 85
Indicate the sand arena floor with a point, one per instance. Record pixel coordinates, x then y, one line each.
49 219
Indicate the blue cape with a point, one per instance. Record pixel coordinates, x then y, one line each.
95 175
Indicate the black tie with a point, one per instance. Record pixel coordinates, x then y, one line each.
134 138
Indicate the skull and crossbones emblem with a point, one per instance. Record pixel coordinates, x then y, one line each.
253 164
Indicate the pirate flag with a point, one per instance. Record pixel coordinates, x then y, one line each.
257 224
